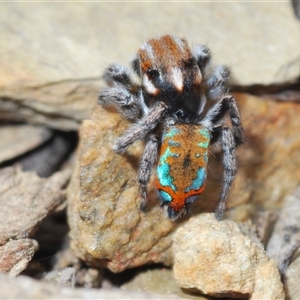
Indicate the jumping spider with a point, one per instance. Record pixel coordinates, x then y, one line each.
168 112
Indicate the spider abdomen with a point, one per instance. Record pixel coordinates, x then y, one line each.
181 169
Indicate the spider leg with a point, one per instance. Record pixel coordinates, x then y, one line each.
125 102
284 265
230 169
217 84
148 159
229 140
215 116
123 93
202 55
117 74
141 128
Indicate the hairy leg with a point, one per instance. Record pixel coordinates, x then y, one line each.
141 128
202 55
217 84
230 169
148 159
284 265
123 93
216 114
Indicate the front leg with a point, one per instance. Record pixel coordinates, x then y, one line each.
217 84
230 169
141 128
202 55
123 93
123 100
148 159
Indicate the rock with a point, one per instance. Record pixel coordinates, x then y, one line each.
160 281
107 227
286 231
89 278
291 282
64 277
27 137
55 81
84 276
103 195
16 254
270 156
25 200
26 288
216 259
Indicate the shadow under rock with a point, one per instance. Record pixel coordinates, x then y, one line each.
51 237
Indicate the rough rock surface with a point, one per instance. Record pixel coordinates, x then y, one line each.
15 255
62 277
269 156
286 231
25 200
107 226
217 259
50 73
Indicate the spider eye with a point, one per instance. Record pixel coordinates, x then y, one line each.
181 113
152 73
190 63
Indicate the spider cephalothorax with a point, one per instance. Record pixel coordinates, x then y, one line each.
167 108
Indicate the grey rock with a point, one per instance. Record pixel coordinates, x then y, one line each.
63 277
26 200
27 137
51 62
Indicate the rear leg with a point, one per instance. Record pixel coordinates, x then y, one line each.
214 121
215 118
148 159
230 169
